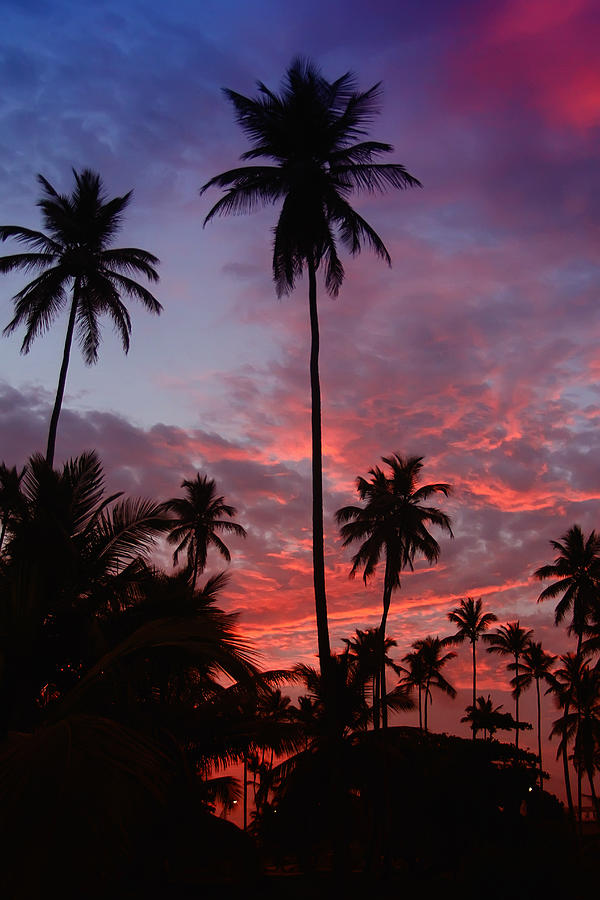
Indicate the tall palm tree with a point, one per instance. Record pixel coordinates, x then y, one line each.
564 686
393 522
471 622
75 257
311 134
536 665
198 523
577 568
511 640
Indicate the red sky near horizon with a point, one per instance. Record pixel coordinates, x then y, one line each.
478 350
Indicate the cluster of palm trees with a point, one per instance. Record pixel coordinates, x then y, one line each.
90 628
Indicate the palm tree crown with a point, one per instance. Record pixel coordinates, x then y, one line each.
198 523
577 568
75 256
311 133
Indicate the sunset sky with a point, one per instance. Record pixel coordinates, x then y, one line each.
478 349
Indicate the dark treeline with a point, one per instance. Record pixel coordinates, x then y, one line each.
127 693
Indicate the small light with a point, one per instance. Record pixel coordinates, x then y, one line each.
235 801
530 789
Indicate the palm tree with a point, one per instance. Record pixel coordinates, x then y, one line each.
311 133
536 665
198 523
393 522
11 498
470 623
414 674
365 648
432 659
73 556
582 726
75 256
564 685
577 568
488 718
511 640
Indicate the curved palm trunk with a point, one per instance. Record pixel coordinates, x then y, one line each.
427 700
317 475
62 378
420 709
387 597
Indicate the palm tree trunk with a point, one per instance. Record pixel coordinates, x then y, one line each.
62 378
3 532
427 695
387 597
376 694
317 476
567 777
517 703
420 710
539 712
474 686
245 792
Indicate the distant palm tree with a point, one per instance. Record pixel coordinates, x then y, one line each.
75 255
198 523
488 718
577 568
511 640
11 498
311 133
433 659
536 665
414 674
471 623
393 522
365 649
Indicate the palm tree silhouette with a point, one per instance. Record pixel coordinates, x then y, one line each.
577 568
414 674
488 718
511 640
311 132
582 683
365 649
11 498
75 256
471 622
536 665
432 659
73 555
198 523
393 522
